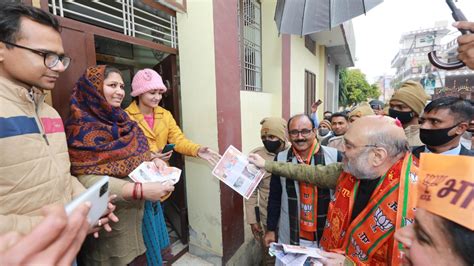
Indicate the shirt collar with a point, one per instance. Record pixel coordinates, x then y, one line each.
455 151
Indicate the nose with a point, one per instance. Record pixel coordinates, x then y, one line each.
59 67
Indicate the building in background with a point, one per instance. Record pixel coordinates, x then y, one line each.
386 89
226 67
411 62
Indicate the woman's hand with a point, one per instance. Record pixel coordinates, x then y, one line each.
209 155
156 190
105 219
163 156
256 160
160 164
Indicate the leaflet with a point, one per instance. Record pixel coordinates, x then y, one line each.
235 171
295 255
148 172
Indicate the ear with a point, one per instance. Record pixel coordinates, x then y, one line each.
380 156
3 49
461 128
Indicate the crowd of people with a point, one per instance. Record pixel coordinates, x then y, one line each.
358 184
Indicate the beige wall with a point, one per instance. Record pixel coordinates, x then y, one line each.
198 103
257 105
302 59
254 107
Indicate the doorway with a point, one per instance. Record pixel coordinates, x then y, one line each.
129 59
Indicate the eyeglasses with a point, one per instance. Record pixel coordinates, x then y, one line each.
50 59
352 146
304 132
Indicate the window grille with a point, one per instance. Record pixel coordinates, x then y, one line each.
250 45
132 18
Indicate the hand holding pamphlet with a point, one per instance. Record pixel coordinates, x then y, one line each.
235 171
148 172
295 255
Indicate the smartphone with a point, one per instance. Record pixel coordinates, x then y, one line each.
167 148
97 195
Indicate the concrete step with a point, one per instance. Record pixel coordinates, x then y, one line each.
190 259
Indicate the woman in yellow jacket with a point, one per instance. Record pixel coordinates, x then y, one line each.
160 128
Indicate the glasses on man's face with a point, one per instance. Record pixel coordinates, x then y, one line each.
349 146
50 59
304 132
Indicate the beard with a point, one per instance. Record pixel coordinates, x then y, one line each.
358 167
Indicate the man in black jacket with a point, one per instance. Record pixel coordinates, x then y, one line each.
442 124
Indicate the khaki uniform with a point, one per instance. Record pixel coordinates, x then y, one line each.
413 135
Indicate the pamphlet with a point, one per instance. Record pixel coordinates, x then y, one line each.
235 171
295 255
148 172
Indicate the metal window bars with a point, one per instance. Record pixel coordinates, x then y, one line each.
251 44
131 17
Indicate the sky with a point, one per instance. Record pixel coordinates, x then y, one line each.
378 32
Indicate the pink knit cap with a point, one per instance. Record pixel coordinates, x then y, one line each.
146 80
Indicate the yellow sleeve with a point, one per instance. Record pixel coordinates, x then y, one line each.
176 136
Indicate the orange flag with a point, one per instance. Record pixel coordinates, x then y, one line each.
447 187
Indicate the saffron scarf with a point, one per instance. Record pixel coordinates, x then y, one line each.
369 238
102 139
308 199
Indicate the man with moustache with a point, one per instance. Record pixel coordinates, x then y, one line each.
370 201
299 209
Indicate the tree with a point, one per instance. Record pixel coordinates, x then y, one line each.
354 88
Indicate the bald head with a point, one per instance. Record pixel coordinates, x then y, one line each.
381 131
372 145
370 126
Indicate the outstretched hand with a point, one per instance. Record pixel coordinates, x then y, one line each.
256 160
209 155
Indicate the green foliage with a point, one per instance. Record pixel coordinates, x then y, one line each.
354 88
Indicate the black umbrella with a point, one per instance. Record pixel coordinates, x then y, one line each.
302 17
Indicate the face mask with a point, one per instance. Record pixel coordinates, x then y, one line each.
323 131
436 137
404 117
271 145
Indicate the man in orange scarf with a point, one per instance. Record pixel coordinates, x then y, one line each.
371 197
298 209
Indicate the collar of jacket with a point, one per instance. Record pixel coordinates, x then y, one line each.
135 112
19 94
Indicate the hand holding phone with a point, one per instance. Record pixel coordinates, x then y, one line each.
167 148
97 195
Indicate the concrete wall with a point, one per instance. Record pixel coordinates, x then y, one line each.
302 59
198 98
257 105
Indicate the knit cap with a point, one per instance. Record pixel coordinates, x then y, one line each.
361 110
275 126
413 95
146 80
326 123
